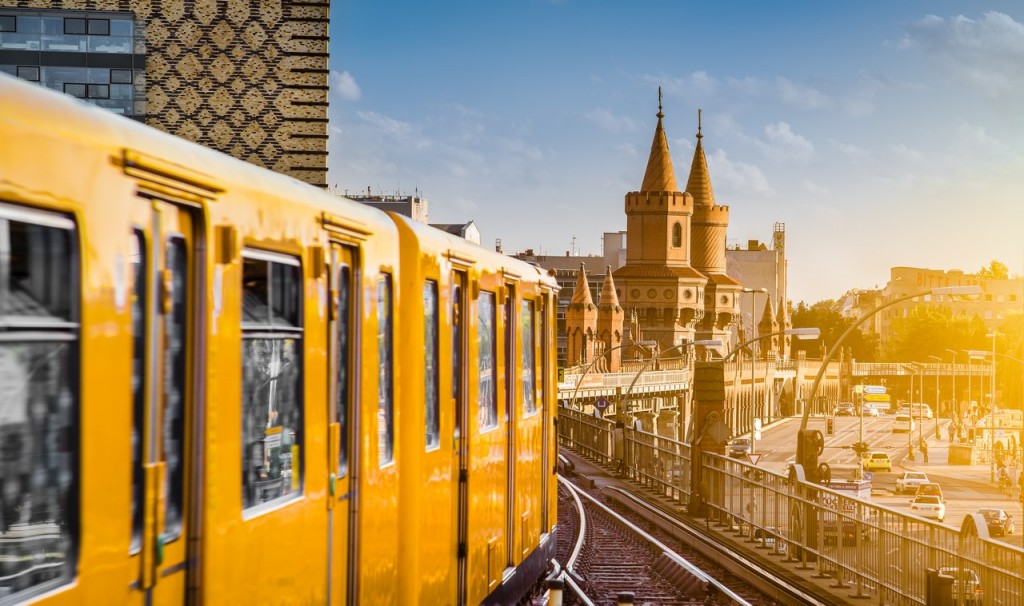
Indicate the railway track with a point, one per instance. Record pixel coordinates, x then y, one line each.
627 545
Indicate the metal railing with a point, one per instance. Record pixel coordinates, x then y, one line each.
869 550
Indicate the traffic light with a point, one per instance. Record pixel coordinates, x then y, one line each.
830 426
809 445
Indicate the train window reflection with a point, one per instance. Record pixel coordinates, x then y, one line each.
175 335
137 259
38 403
271 379
430 365
385 411
344 326
488 402
529 385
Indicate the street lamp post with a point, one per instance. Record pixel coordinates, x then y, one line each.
992 409
944 290
624 402
955 416
572 400
938 402
753 356
914 369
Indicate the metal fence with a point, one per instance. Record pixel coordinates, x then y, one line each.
870 551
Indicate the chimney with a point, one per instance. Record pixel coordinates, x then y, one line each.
497 245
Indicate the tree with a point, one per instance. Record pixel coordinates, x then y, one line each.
996 270
825 316
929 330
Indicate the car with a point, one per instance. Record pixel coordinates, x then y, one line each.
929 506
869 411
902 423
876 461
908 481
932 488
831 523
844 409
999 522
966 584
921 411
739 447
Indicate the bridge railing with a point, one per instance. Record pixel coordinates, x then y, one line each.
867 549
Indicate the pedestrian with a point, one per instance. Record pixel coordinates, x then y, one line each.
924 450
951 430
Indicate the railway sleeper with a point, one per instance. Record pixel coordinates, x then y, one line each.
679 576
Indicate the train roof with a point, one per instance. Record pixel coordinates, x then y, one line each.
32 110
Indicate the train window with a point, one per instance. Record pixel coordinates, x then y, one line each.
432 395
174 377
343 327
488 402
137 258
38 402
271 378
385 393
529 369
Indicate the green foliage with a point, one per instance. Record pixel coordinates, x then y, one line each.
929 330
825 316
996 270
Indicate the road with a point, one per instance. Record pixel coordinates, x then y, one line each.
966 488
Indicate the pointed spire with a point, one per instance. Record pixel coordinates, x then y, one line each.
660 175
768 317
783 315
581 292
608 296
699 183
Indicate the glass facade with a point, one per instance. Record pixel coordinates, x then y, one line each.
92 55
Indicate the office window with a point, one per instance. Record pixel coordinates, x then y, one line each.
271 378
8 23
999 298
677 235
1013 298
120 76
99 91
75 90
99 27
988 297
28 73
74 25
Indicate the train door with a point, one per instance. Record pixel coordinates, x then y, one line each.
341 499
509 311
165 298
461 428
545 463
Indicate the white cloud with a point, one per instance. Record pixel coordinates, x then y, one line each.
740 177
344 85
987 53
608 121
700 82
814 189
800 96
852 150
907 153
786 144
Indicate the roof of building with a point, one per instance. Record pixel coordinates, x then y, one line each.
723 279
581 292
660 176
699 183
658 271
608 295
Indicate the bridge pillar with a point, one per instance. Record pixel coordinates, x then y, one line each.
709 431
648 421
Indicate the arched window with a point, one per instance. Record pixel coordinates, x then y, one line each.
677 235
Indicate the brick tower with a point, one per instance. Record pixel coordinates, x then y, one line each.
609 322
657 284
710 222
580 322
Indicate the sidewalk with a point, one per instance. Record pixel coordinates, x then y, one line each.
938 457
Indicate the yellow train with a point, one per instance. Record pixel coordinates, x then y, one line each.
219 385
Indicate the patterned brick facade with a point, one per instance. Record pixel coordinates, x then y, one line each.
246 77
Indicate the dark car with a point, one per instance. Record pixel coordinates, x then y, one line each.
999 522
844 409
739 447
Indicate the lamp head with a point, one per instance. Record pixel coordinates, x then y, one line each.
804 334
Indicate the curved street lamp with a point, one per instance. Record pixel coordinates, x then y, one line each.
944 290
572 400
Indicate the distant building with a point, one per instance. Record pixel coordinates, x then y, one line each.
468 231
414 207
247 78
998 297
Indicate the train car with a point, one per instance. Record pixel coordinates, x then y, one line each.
218 384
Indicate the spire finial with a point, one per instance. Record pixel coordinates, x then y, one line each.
699 135
660 114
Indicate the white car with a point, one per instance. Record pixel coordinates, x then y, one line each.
929 506
902 424
869 411
908 481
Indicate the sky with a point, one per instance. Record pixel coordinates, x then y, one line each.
880 133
